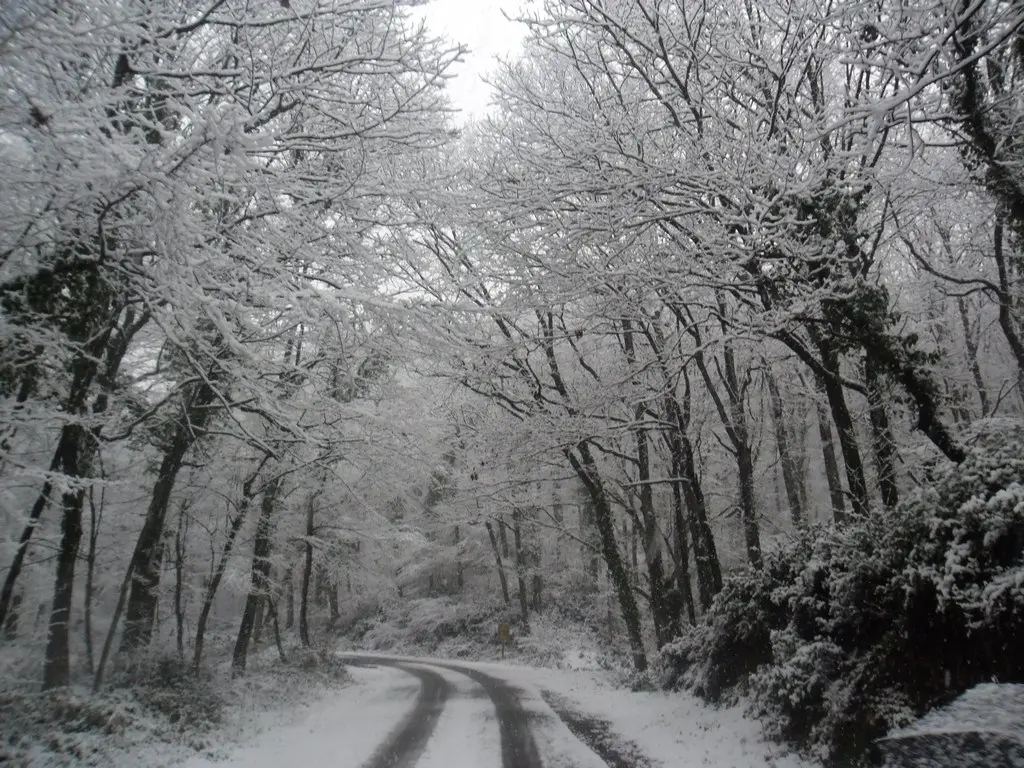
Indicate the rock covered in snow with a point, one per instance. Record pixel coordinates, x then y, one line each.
983 728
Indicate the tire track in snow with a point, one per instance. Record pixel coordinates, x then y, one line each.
406 743
598 735
518 749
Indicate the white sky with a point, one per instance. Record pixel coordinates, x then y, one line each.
480 25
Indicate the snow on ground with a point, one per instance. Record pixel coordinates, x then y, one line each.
467 728
343 727
342 730
670 728
554 739
667 726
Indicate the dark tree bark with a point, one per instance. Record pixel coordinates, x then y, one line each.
791 477
1007 321
677 410
503 537
734 420
258 622
289 597
583 465
459 570
241 512
882 442
517 538
10 626
589 547
57 665
147 559
502 577
845 430
42 500
272 609
666 620
536 592
95 517
180 537
104 341
307 575
682 549
829 458
332 601
973 361
259 575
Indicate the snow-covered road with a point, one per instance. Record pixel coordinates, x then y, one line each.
416 713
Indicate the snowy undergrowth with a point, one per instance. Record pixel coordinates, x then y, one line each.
447 628
158 713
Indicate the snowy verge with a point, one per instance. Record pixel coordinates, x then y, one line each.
162 721
343 729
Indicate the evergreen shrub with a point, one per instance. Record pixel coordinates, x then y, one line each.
845 633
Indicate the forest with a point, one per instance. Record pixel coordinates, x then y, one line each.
707 342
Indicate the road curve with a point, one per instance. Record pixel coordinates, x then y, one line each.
406 743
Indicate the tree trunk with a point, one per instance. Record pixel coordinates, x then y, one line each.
95 518
257 625
57 667
501 566
14 571
708 568
10 625
147 559
585 468
973 361
791 478
520 570
259 576
589 548
289 597
733 418
828 452
241 511
503 537
108 346
180 537
882 441
272 608
1007 321
682 550
833 387
332 601
744 457
57 664
459 570
307 576
666 625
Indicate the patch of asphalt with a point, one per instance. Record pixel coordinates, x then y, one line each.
406 743
597 734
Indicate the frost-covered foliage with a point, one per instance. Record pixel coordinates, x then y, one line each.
846 633
446 627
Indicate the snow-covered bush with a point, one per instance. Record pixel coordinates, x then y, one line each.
846 633
168 685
